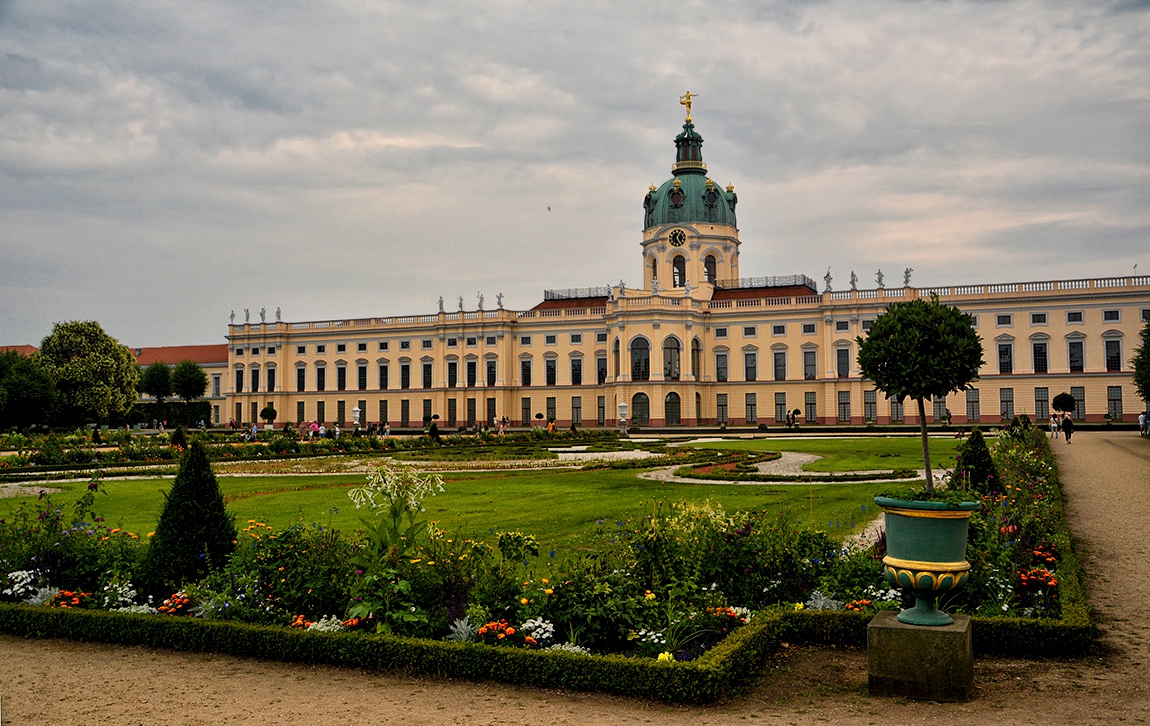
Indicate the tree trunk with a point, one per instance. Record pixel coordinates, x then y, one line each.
925 445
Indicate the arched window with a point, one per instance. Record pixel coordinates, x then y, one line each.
640 409
654 269
672 409
671 359
709 268
679 271
696 357
640 360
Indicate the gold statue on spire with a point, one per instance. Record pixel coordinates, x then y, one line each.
686 101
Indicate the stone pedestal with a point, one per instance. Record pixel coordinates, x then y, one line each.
931 663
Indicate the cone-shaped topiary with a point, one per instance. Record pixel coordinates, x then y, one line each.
179 438
975 466
194 532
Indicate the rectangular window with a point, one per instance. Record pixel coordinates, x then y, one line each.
427 376
972 408
1113 355
550 408
576 338
896 411
974 321
271 350
271 380
1077 359
382 411
576 410
341 412
320 411
940 408
576 371
1041 360
341 378
239 351
383 376
781 407
866 325
810 365
216 385
299 411
780 361
525 340
360 347
525 374
778 330
341 347
600 337
427 345
453 342
383 345
843 362
452 412
1074 316
1006 403
550 367
751 404
1038 318
810 404
492 371
255 351
601 410
601 370
452 373
362 406
471 412
361 377
870 406
255 380
471 341
1114 402
750 366
489 340
405 375
749 331
1111 316
842 326
471 373
844 406
550 339
1004 321
405 345
301 350
491 415
1078 393
300 378
721 408
525 410
405 413
1146 315
426 411
808 328
321 378
720 332
720 367
216 415
320 349
1005 358
1041 404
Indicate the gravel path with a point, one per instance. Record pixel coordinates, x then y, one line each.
1106 479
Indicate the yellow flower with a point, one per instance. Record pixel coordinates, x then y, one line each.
649 596
666 656
549 591
798 606
545 581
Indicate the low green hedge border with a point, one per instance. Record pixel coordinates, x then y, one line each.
687 472
723 671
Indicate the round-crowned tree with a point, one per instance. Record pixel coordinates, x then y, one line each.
156 381
920 349
195 533
1063 403
189 380
95 375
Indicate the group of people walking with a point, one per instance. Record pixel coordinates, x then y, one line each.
1065 426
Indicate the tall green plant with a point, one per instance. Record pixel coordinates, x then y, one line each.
195 532
975 466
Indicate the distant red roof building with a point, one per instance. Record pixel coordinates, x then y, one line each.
24 349
173 354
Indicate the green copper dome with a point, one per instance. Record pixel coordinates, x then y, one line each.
689 196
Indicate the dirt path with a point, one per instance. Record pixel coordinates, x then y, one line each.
1106 477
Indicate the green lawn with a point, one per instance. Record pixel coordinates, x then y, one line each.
855 454
562 508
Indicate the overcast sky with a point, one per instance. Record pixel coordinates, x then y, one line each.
165 162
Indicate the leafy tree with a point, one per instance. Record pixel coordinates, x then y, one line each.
269 413
1063 403
189 380
27 391
195 533
95 375
156 381
1141 365
918 350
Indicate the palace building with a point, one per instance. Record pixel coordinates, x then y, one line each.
696 344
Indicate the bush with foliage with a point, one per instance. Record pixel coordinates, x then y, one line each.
975 468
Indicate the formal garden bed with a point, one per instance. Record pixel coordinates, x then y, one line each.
682 603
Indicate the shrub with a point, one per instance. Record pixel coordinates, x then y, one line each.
195 533
975 468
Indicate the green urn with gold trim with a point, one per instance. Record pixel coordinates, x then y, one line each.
926 553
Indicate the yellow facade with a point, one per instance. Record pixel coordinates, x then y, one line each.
719 348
